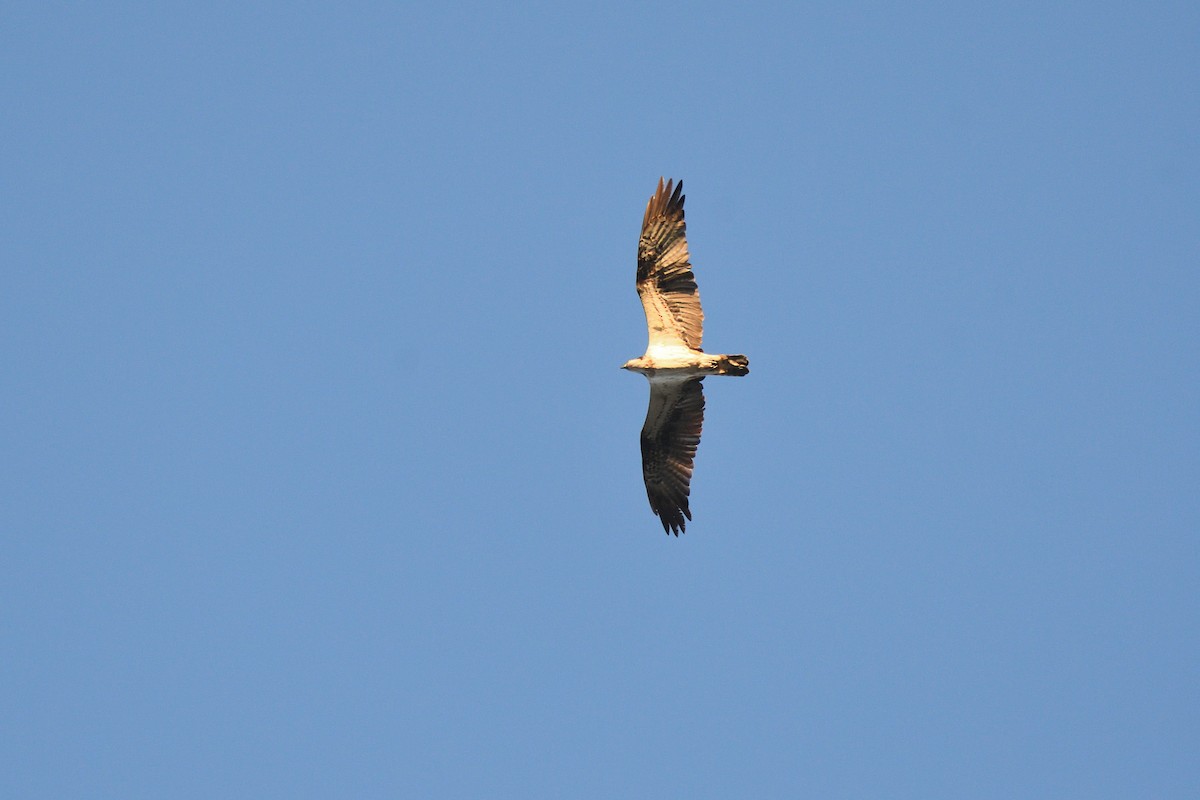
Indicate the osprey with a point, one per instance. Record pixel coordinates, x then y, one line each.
674 363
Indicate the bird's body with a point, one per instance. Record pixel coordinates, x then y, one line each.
674 363
681 362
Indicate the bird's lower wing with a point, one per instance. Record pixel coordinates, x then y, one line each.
669 441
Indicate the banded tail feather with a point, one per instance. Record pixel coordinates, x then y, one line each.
733 365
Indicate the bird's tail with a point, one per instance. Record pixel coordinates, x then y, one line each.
733 365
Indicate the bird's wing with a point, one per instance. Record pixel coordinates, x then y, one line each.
664 275
669 441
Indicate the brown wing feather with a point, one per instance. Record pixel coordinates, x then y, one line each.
669 441
665 281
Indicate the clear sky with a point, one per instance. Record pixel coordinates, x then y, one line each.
320 478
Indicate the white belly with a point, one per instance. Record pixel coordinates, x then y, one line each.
674 357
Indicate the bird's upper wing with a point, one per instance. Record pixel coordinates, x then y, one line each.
669 441
664 275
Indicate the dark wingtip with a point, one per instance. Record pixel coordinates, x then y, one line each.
672 197
666 201
672 520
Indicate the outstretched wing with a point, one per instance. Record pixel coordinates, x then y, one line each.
664 275
669 441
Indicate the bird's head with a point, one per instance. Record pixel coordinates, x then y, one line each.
635 363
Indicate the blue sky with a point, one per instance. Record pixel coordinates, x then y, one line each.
321 477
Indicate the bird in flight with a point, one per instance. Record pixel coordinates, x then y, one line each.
674 363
